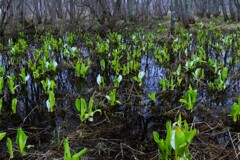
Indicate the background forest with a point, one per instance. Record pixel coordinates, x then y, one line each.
73 14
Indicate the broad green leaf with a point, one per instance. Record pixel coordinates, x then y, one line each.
2 135
191 135
78 104
67 152
51 100
235 111
21 140
169 134
10 147
83 108
90 105
224 73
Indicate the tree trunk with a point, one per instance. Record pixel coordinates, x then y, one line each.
237 4
180 11
36 7
209 8
215 7
231 10
224 10
200 7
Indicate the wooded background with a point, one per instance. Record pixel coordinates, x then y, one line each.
108 13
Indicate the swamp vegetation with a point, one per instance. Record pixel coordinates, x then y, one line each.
115 95
119 79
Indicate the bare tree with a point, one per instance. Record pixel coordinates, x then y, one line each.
224 10
181 12
237 4
231 10
200 7
209 8
215 8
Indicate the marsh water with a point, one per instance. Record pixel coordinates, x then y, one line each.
121 131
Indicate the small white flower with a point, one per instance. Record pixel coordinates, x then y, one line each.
27 78
48 105
99 79
55 63
119 78
141 74
47 64
73 49
173 139
108 98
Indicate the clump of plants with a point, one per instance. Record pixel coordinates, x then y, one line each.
176 144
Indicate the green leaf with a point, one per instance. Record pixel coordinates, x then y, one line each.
97 110
169 134
11 86
235 111
10 147
191 135
67 152
103 64
14 105
224 73
152 96
51 101
136 79
21 140
78 104
1 85
183 101
156 136
79 154
83 108
90 105
2 135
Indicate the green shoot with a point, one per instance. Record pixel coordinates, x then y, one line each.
152 96
190 98
67 152
51 101
21 141
2 135
10 147
86 112
100 81
112 98
1 85
235 111
139 78
14 105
